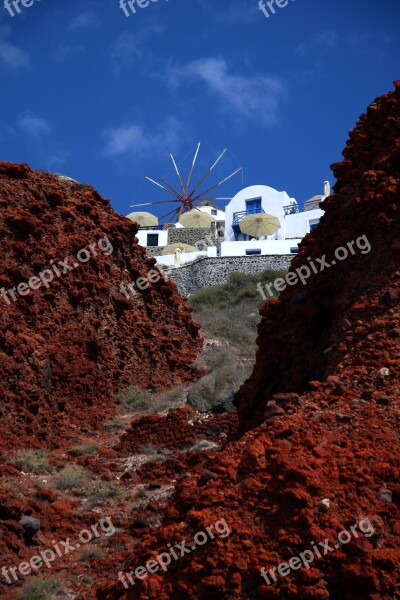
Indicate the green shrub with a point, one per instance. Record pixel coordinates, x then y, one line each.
104 491
136 399
85 449
215 391
32 461
167 399
41 589
72 477
203 446
99 493
139 400
115 425
240 287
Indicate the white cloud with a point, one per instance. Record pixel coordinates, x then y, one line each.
248 96
129 48
57 160
135 140
86 20
32 126
11 56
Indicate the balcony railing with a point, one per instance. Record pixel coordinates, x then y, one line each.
153 227
299 208
238 216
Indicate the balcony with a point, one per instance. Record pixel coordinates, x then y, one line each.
153 227
238 216
304 207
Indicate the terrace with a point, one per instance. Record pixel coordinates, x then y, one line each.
238 216
303 207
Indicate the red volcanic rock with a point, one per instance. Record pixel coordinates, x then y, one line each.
328 358
67 349
181 428
341 320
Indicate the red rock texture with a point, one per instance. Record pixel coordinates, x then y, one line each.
268 487
320 415
178 430
67 350
344 321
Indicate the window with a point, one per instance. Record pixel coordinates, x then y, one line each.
253 251
313 223
294 250
253 206
152 239
213 212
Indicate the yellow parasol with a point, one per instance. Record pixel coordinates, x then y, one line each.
259 225
144 219
196 218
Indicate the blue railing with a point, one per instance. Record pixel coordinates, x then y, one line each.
238 216
303 207
155 227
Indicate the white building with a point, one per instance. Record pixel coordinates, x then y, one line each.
296 220
217 213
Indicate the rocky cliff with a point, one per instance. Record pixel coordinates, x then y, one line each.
343 320
71 340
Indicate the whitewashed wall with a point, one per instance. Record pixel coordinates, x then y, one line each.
270 247
298 224
272 202
162 236
169 259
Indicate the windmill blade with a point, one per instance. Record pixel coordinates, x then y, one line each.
173 190
219 183
192 167
208 172
177 172
209 198
155 202
159 185
173 212
142 204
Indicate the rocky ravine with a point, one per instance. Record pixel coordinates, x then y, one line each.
321 410
316 450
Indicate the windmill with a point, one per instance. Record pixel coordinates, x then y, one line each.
185 197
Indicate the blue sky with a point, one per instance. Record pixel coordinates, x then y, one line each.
104 98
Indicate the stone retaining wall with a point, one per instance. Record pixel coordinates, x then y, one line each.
206 272
154 250
185 235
